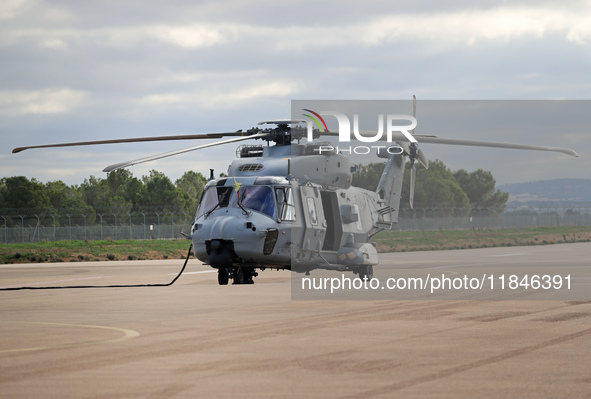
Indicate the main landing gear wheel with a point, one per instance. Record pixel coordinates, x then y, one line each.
366 271
243 275
223 276
238 276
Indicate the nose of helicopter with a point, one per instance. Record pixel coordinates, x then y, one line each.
224 226
226 239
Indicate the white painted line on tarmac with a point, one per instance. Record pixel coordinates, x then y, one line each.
510 254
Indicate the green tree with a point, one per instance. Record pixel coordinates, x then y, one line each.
95 192
119 191
64 198
480 188
20 192
191 185
368 176
159 191
435 186
124 189
2 191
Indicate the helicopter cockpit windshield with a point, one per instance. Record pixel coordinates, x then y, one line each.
257 198
276 202
214 197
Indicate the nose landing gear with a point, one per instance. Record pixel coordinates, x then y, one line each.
240 275
366 271
223 276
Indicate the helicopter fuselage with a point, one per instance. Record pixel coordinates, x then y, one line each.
304 216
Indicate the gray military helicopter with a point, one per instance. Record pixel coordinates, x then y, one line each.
291 205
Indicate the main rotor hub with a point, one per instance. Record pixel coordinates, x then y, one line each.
284 133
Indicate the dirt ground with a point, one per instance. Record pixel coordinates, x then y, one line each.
198 339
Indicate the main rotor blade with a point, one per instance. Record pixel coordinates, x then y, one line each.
169 154
135 140
414 109
422 158
476 143
397 136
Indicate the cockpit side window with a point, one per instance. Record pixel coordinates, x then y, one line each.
257 198
213 197
224 194
285 203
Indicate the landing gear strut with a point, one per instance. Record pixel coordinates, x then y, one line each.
243 275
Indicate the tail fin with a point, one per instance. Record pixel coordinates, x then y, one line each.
390 191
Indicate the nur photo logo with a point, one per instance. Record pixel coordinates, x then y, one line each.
390 126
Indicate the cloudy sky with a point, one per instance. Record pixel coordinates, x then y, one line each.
85 70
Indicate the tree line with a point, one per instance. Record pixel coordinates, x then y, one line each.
122 191
438 185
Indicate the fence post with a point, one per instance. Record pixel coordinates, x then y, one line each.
36 228
144 215
115 226
158 224
22 228
101 216
171 224
184 221
69 226
54 227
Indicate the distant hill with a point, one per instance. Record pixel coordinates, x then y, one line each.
570 190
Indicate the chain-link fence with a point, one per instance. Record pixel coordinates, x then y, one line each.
515 215
33 225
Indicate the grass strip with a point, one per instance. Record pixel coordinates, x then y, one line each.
111 250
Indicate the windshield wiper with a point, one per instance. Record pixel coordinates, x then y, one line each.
239 202
212 209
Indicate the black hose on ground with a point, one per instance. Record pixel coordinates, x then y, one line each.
106 286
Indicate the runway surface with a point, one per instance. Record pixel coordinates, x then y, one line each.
198 339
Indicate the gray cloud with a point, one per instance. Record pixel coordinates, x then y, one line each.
82 71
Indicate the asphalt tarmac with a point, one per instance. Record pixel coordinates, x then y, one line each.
198 339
